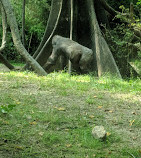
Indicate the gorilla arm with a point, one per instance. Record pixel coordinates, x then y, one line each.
51 60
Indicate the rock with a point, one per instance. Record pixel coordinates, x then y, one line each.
99 132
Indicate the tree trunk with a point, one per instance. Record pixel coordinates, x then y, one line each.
16 38
45 45
104 57
56 8
71 32
4 26
101 15
23 23
6 62
108 8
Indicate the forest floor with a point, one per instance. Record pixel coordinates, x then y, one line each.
53 116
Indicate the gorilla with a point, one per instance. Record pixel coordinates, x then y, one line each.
80 56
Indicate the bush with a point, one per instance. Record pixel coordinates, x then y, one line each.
121 40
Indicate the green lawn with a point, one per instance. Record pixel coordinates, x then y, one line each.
53 116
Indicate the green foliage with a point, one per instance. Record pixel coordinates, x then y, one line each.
117 3
139 3
6 108
36 16
123 42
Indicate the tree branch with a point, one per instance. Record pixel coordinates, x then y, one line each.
108 8
105 61
23 23
4 26
16 38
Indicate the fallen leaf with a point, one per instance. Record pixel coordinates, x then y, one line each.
95 96
18 103
61 109
134 113
110 111
99 107
108 134
91 116
107 110
68 145
131 122
33 123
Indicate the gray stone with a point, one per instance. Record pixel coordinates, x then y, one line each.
99 132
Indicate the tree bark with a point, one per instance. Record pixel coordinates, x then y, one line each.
101 14
56 7
108 8
23 23
39 55
16 38
4 26
105 61
71 32
44 47
6 62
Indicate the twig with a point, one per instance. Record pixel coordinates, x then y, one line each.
131 154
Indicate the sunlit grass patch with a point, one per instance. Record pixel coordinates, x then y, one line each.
54 115
131 152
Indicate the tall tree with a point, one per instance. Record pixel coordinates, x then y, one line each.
71 32
23 23
4 26
104 58
16 38
89 12
40 55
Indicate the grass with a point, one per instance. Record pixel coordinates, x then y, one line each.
53 116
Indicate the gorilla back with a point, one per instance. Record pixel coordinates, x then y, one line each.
80 56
